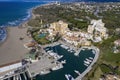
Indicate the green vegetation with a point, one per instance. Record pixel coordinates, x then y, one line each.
107 60
111 19
79 19
36 36
105 68
76 19
40 39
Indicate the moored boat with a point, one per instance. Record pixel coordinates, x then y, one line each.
69 77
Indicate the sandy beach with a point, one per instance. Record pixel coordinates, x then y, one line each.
12 49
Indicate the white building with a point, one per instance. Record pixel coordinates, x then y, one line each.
97 30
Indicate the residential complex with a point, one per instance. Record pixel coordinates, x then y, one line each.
96 32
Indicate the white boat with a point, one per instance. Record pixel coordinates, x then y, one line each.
69 77
93 51
77 72
44 72
86 64
72 51
57 67
49 51
63 62
63 46
59 57
91 58
88 60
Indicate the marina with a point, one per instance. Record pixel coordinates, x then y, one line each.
63 63
85 55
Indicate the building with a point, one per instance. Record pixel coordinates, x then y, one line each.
59 27
116 47
111 77
117 42
97 30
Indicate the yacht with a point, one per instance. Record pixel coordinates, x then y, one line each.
93 51
57 67
44 72
91 58
63 62
86 64
59 57
63 46
77 72
69 77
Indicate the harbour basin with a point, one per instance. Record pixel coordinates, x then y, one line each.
72 63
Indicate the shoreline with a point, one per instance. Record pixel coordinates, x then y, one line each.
12 49
23 22
11 32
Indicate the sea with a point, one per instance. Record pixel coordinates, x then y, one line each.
15 13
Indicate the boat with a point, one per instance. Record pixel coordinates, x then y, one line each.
77 72
85 64
59 57
57 67
63 62
88 60
72 51
93 51
91 58
69 77
47 49
44 72
63 46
